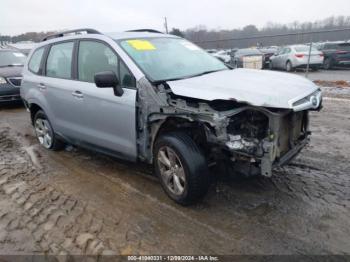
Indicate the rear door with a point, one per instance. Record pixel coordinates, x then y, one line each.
107 122
284 57
343 54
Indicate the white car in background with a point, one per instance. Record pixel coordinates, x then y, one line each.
292 57
223 56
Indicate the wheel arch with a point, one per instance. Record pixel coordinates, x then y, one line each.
33 109
197 130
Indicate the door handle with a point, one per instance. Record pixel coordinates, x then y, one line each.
78 94
42 87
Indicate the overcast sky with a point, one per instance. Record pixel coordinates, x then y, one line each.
19 16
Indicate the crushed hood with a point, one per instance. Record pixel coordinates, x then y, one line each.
255 87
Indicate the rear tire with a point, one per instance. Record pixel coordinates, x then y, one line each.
181 168
327 64
45 133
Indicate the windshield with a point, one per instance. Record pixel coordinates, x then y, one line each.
170 58
8 58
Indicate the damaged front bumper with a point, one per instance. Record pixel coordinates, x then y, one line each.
287 135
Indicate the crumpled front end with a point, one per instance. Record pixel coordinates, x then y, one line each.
249 138
265 138
254 139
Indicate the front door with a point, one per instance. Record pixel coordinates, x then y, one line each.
107 122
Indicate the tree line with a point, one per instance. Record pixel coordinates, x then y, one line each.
200 34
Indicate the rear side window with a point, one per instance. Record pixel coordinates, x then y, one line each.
35 60
95 57
59 61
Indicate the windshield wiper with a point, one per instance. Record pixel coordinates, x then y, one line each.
206 73
186 77
11 65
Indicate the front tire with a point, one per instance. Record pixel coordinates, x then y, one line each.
45 133
181 168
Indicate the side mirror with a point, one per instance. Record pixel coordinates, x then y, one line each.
109 79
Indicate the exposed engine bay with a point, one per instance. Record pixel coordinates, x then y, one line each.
253 139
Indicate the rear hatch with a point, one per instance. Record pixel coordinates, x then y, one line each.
302 54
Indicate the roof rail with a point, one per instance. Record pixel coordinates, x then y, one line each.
76 31
145 30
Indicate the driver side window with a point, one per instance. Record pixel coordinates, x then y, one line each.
95 57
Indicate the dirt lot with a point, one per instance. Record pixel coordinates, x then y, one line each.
79 202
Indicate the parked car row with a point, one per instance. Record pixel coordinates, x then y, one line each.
326 55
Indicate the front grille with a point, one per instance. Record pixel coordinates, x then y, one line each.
15 81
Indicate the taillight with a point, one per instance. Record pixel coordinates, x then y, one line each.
299 55
321 55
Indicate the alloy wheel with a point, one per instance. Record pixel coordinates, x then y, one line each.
171 170
43 132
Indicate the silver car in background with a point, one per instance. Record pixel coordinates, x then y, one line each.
292 57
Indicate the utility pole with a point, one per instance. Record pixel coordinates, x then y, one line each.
308 59
166 25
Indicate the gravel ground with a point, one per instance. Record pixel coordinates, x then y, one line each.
80 202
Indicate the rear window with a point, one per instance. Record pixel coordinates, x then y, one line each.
339 46
345 46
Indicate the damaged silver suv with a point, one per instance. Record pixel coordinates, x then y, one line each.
146 96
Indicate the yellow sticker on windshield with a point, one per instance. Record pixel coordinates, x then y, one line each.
141 45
